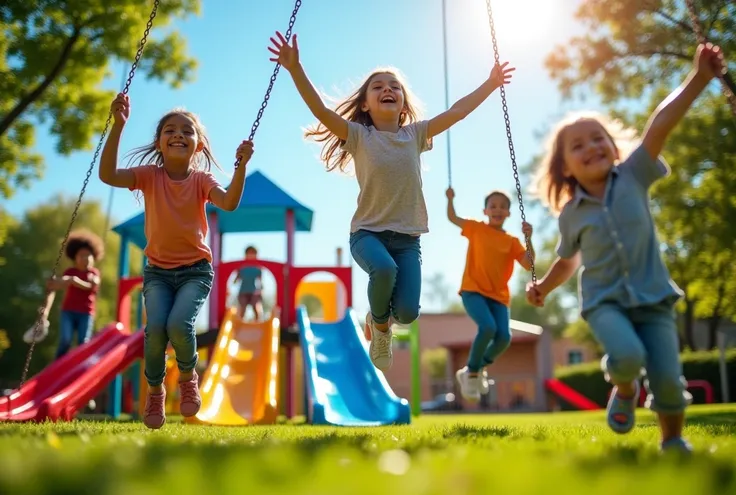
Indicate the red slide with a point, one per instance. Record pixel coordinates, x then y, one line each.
67 384
570 395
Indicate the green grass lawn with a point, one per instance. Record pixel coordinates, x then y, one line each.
453 455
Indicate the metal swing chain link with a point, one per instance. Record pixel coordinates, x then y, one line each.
42 308
512 152
267 96
700 35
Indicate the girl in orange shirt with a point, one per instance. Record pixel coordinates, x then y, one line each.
485 291
174 177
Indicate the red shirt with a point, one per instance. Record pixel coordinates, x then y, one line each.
80 300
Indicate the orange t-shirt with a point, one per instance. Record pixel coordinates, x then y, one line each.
176 222
490 260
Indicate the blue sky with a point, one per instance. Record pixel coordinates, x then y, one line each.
340 42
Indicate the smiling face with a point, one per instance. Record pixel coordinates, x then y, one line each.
178 140
497 209
84 259
384 97
588 151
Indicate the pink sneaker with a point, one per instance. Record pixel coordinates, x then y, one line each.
155 414
191 401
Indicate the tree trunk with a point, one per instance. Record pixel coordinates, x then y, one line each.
689 326
715 319
31 97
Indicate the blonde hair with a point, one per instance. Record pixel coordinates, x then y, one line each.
150 155
351 109
551 185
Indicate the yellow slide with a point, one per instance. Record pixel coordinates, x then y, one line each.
241 383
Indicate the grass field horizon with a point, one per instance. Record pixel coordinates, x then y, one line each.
573 452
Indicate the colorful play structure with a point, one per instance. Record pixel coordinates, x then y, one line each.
252 374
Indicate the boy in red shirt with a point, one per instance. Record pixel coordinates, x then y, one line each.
81 282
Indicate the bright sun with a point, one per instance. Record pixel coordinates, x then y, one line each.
520 22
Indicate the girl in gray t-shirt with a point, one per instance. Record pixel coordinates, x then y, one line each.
379 130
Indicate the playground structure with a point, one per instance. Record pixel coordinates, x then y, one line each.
252 374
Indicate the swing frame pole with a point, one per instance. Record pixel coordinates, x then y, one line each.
447 89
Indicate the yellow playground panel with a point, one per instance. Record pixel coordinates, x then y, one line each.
331 295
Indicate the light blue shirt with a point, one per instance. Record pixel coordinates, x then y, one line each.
616 238
250 277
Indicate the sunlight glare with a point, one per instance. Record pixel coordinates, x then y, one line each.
517 22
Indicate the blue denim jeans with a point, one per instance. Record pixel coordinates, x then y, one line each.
173 299
393 263
642 338
494 331
71 322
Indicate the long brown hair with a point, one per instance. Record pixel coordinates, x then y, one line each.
150 155
552 186
351 109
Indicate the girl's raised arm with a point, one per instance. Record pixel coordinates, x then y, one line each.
109 173
465 105
288 56
708 63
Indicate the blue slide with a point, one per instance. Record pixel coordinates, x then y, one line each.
343 386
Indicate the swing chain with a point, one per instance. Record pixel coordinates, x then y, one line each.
726 81
42 308
512 152
257 122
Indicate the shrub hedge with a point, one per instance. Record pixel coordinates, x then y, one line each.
587 378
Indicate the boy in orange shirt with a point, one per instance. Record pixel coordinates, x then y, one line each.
485 291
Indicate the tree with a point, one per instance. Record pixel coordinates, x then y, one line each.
438 290
637 52
633 47
54 57
30 249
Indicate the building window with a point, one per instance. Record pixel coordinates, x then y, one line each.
574 357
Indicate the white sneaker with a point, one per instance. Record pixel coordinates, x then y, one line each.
469 385
380 348
31 335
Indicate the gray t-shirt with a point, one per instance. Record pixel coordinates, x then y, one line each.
388 169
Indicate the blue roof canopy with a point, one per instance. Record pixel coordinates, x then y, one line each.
262 209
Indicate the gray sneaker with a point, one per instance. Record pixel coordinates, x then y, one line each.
380 348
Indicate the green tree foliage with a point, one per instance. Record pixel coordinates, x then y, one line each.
632 47
632 55
30 251
54 57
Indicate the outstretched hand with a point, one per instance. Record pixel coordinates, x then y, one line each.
286 55
501 75
450 193
709 60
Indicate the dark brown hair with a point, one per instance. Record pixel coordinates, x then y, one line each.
84 239
500 194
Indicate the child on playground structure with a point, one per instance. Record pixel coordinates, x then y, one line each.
249 293
173 174
81 283
484 289
378 127
627 295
